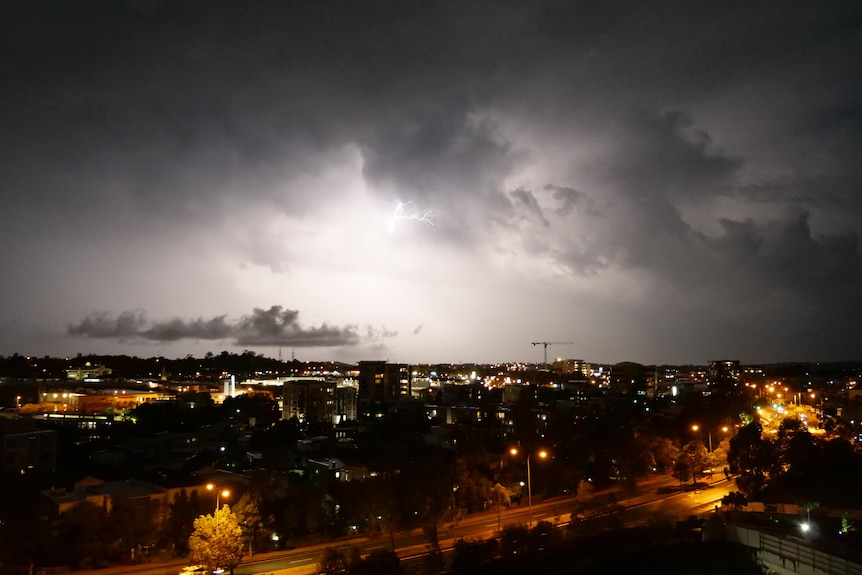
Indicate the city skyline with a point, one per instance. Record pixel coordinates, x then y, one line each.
663 183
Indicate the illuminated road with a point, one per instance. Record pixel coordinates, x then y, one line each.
655 502
659 498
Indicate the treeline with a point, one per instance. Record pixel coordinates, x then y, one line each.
795 465
89 536
210 367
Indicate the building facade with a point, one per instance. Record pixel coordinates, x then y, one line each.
25 449
309 400
382 382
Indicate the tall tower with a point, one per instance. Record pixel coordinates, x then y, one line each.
230 386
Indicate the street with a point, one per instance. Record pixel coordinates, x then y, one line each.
659 497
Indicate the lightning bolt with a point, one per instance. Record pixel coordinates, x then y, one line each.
401 213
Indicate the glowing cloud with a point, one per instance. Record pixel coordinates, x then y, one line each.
401 213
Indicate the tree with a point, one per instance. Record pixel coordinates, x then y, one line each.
130 526
81 536
585 491
734 499
332 562
632 458
847 523
664 452
26 535
474 490
435 505
514 540
469 556
176 530
217 540
379 562
753 457
692 461
808 506
249 517
682 469
500 497
432 505
583 497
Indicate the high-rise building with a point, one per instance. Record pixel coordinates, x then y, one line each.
632 378
572 366
383 382
724 373
345 403
309 400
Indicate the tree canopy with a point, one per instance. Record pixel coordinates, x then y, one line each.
217 540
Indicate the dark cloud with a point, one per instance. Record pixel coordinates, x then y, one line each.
275 326
665 157
127 325
177 329
567 198
659 159
526 202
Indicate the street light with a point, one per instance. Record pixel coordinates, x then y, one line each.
696 427
813 397
542 455
219 494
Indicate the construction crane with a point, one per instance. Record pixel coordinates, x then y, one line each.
545 344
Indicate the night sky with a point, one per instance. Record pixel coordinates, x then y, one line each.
653 181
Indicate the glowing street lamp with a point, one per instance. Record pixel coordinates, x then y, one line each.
219 494
695 427
542 455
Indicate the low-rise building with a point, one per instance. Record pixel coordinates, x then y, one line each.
26 448
88 372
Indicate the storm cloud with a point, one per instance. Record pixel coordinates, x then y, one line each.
660 181
275 326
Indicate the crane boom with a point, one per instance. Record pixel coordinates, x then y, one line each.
545 344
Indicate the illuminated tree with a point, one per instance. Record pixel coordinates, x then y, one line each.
500 497
692 460
847 523
583 498
753 457
217 540
808 506
682 469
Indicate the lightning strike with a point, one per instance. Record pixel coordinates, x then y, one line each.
401 213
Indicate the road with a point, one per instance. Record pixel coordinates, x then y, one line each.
659 497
